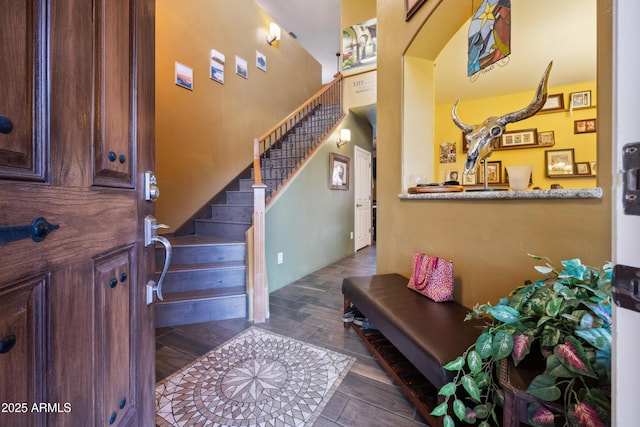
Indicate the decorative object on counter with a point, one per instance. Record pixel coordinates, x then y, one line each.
559 162
491 172
556 187
435 188
554 102
563 323
482 138
519 176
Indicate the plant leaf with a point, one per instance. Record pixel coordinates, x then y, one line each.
600 338
482 380
521 347
502 345
474 361
543 269
483 344
459 409
573 268
482 411
553 306
440 410
550 336
539 416
504 314
572 356
544 387
449 389
472 388
447 421
556 369
455 365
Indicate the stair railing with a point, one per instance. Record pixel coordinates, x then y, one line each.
325 120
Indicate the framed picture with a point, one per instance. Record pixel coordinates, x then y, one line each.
411 7
339 167
216 66
452 175
184 76
241 67
261 61
594 167
469 179
519 138
547 138
447 152
554 102
583 168
584 126
494 173
559 162
580 99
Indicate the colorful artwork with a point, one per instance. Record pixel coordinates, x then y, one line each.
489 34
359 47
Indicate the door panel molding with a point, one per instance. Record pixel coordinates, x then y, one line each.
23 98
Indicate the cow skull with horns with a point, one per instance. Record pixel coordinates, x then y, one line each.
481 138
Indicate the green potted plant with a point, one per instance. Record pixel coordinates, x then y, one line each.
566 318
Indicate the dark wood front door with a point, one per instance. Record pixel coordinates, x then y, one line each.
76 135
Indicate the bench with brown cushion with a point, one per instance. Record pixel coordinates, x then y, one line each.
428 334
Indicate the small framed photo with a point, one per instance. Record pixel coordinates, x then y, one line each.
580 99
559 162
554 102
452 175
469 179
584 126
217 66
241 67
519 138
594 167
261 61
447 152
494 173
184 76
583 168
546 138
339 167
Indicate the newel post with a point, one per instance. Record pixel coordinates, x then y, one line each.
260 300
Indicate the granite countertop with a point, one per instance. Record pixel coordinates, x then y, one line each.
569 193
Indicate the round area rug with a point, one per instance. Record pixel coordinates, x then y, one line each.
256 378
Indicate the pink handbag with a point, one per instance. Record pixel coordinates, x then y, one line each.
432 277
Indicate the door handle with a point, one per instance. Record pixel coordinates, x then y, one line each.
6 126
150 238
38 230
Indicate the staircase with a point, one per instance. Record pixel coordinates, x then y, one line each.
206 279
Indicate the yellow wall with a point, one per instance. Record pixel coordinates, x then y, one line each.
560 122
204 137
487 240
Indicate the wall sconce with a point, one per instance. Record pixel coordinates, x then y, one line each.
274 34
345 136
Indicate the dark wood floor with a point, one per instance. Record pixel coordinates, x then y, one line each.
310 310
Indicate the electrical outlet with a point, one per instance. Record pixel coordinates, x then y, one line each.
280 257
351 235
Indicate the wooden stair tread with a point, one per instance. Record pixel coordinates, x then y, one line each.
203 294
201 240
207 266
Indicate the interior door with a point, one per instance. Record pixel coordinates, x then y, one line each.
362 189
626 228
76 135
